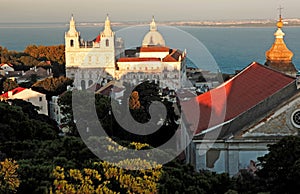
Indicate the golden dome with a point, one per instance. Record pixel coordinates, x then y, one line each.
279 51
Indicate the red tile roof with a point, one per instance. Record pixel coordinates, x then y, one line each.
14 91
173 57
234 97
154 49
6 64
97 39
134 59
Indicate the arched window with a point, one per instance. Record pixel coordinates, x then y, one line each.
82 84
90 82
107 42
71 43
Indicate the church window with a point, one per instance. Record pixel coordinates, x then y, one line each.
71 43
90 82
295 118
146 68
82 84
72 59
107 43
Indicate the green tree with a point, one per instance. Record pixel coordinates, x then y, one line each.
281 166
178 177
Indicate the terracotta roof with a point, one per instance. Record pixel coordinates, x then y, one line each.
14 91
173 57
97 39
6 64
244 91
134 59
154 49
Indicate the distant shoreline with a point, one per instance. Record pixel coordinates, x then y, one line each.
243 23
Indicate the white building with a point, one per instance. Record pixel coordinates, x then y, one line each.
36 98
90 62
6 67
95 61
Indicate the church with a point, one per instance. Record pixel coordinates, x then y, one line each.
238 119
104 59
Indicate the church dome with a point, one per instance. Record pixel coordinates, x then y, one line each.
279 50
153 37
279 57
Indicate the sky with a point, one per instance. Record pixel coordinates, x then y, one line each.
25 11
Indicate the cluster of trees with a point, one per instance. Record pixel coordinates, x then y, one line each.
47 53
47 162
34 55
52 86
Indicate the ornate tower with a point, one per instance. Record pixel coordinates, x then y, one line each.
72 36
91 62
279 57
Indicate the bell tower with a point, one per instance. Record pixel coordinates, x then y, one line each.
72 36
279 57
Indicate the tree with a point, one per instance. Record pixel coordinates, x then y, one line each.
178 177
9 84
9 181
281 166
106 177
51 53
134 102
52 86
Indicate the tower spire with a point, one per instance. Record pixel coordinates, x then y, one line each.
280 22
279 56
153 25
107 28
72 28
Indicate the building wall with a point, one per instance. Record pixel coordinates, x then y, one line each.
229 156
168 74
36 98
90 62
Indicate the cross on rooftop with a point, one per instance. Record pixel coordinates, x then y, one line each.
280 10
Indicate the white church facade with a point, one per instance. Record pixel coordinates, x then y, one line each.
90 62
98 61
